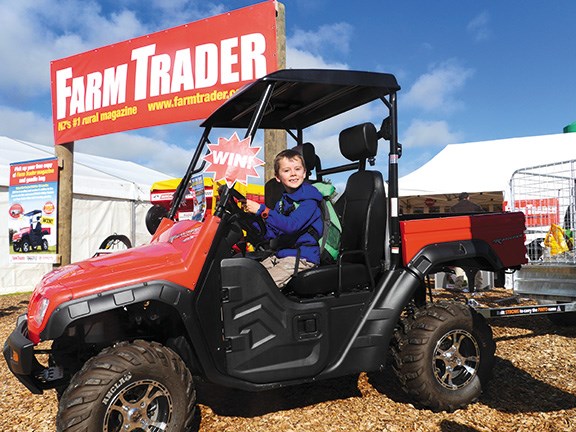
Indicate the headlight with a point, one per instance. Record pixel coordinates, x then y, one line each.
41 311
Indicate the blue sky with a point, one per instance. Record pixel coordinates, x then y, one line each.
469 70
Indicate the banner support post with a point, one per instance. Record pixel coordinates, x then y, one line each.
275 140
65 154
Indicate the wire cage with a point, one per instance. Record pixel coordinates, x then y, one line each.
546 194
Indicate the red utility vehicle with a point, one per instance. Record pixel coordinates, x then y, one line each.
31 236
130 330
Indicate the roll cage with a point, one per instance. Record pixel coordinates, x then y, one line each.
295 99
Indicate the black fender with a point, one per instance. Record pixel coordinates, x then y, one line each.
434 256
71 311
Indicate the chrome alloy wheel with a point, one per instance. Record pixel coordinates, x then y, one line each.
143 406
456 359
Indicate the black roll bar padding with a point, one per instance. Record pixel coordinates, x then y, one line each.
395 153
224 195
260 111
318 169
297 138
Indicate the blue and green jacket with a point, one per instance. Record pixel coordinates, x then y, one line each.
294 213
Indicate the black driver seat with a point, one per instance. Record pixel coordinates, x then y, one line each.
363 205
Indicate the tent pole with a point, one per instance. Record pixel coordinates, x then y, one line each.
133 222
65 154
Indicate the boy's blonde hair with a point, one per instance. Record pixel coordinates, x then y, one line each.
288 154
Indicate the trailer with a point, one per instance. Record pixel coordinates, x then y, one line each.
546 194
546 284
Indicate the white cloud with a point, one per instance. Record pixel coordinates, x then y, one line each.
332 37
479 27
171 13
35 32
303 51
435 90
25 62
423 133
26 126
310 49
150 152
296 58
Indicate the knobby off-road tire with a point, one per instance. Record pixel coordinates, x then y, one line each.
443 355
140 386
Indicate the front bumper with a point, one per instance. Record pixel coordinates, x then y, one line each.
19 355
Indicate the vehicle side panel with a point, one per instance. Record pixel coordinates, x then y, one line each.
269 338
366 348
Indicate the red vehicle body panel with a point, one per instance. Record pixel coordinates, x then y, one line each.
504 232
18 235
176 253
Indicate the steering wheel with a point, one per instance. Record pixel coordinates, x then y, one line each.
253 225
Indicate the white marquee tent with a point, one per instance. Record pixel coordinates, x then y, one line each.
110 196
482 169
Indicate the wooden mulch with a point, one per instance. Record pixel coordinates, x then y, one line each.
533 389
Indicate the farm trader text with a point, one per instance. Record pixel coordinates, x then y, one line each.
158 74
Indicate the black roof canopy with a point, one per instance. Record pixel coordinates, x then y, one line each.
302 97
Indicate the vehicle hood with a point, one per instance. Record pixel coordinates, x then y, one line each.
176 254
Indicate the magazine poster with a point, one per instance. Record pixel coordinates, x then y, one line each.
33 211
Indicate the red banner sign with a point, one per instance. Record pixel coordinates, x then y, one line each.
175 75
34 172
540 211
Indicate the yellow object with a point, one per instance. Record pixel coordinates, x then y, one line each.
172 184
252 191
47 220
555 240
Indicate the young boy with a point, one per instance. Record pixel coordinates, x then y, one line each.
297 211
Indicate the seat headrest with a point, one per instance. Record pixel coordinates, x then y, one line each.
308 152
359 142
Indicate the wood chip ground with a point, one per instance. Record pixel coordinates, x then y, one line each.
533 389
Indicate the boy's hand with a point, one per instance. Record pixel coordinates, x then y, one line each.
251 206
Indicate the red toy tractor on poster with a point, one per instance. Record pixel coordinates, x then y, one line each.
31 236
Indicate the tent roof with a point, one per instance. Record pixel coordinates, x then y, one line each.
93 175
485 166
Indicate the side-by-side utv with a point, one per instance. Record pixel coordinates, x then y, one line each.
131 331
